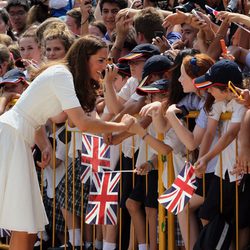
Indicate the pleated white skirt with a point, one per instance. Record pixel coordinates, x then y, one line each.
21 206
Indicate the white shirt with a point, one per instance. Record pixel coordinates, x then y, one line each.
145 152
179 155
229 153
128 89
129 146
60 169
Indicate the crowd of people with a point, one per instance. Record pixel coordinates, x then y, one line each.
93 66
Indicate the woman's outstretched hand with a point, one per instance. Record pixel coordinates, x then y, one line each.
128 120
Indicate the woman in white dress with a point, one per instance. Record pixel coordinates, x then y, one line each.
68 87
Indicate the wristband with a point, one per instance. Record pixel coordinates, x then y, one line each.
151 165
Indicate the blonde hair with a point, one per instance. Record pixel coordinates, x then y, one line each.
5 39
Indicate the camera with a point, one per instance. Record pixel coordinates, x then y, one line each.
19 63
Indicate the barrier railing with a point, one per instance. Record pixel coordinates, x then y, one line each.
163 244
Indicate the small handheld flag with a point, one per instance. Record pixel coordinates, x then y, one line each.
4 233
177 196
103 199
95 156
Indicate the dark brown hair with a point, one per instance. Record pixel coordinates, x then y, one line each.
77 15
122 4
100 25
77 60
210 99
147 21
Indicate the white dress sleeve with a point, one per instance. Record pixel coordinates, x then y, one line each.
63 87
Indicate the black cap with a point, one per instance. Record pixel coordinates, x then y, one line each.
123 68
219 75
159 86
156 64
141 50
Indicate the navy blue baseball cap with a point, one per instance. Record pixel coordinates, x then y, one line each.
155 64
159 86
14 76
142 50
220 74
124 69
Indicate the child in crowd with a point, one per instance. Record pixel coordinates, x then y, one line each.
221 100
57 43
121 74
115 103
143 195
191 67
30 51
12 86
54 170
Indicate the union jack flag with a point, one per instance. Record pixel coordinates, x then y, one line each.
4 233
95 155
103 199
177 196
86 175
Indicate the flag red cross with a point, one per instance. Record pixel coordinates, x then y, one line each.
94 159
103 197
184 186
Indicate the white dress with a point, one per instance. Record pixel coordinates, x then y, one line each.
21 207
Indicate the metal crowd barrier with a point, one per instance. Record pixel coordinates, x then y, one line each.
166 241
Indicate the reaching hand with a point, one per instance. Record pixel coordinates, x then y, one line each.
161 42
110 73
173 109
143 169
137 4
245 97
229 16
86 9
243 162
200 167
107 138
128 120
135 128
148 109
176 18
46 157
